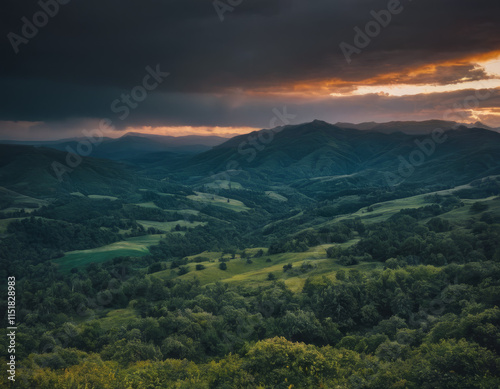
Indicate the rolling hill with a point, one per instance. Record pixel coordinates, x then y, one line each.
29 170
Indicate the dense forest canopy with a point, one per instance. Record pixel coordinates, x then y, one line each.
255 282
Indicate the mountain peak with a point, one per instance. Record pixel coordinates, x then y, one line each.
132 133
478 124
317 121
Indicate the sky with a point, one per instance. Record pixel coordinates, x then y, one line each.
226 67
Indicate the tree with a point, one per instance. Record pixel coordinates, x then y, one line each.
341 275
155 267
223 266
478 206
287 267
125 352
369 315
301 326
391 351
438 224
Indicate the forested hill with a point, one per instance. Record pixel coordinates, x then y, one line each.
46 172
319 149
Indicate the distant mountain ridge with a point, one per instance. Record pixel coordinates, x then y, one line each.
205 140
133 145
412 127
315 156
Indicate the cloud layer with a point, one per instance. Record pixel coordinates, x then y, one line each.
264 54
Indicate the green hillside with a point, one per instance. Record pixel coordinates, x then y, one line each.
30 171
304 269
133 247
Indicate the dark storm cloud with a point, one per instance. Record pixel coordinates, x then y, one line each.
232 111
94 50
240 109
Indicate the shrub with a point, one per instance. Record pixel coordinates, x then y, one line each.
478 206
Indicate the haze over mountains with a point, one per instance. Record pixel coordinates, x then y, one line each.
133 144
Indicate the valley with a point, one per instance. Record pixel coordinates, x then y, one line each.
261 194
137 267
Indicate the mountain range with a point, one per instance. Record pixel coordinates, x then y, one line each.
315 157
319 154
412 127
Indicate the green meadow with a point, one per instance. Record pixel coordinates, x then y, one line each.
240 272
212 199
168 226
136 247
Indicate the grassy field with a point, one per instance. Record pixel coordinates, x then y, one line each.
461 215
117 318
148 205
136 247
100 197
94 197
224 184
20 202
219 201
193 212
383 211
256 273
276 196
167 226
